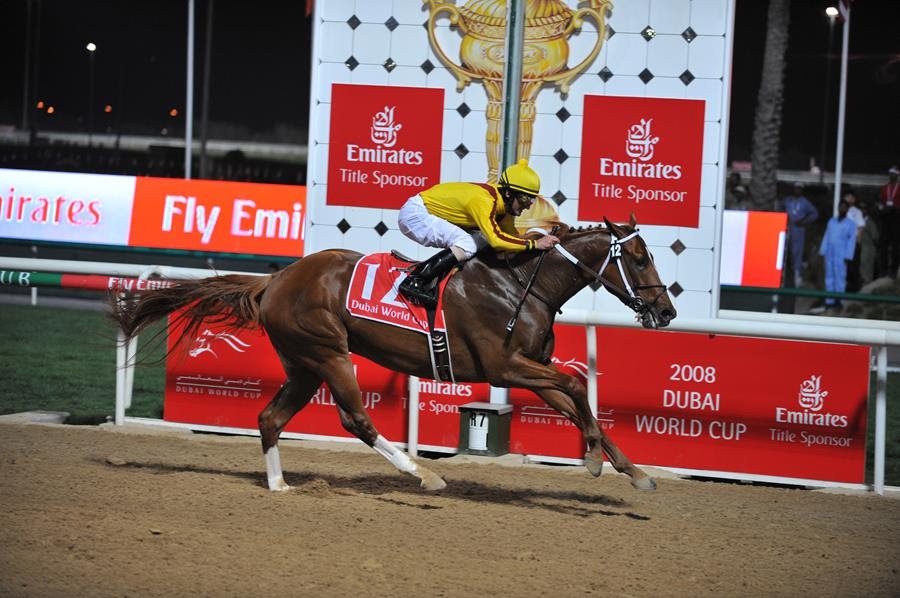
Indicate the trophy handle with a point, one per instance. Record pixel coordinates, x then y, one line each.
563 79
463 76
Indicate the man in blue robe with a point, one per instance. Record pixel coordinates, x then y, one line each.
838 246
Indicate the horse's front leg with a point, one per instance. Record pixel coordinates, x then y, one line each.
568 396
569 404
598 442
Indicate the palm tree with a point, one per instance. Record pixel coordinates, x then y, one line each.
767 121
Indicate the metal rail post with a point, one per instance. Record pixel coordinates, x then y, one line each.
880 418
121 361
412 442
592 390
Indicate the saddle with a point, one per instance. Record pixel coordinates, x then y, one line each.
373 294
402 257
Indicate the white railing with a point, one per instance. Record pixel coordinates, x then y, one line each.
878 335
109 268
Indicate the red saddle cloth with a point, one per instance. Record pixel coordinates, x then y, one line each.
373 294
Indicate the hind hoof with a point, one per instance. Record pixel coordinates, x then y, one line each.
644 483
433 483
278 485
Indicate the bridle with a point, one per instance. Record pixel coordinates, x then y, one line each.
626 295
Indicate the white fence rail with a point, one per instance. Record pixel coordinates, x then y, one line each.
878 335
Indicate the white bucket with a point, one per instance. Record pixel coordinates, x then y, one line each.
478 431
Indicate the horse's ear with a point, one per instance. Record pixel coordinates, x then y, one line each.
633 221
610 226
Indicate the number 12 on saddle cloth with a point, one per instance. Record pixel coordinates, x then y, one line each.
373 295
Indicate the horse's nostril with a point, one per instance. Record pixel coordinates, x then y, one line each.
667 314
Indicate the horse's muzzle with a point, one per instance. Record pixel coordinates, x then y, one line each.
657 318
666 315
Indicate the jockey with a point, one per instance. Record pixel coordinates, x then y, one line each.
451 216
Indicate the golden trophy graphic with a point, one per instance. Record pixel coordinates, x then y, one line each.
548 25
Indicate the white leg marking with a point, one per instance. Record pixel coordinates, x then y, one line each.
398 458
273 471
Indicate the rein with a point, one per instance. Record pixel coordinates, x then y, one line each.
523 283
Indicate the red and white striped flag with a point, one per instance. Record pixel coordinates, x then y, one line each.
753 245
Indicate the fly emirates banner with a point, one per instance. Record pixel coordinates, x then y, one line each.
194 215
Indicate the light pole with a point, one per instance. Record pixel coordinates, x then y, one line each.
91 47
832 13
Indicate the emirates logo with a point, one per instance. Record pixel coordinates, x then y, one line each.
811 395
639 142
384 130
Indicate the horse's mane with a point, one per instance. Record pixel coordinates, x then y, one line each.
562 229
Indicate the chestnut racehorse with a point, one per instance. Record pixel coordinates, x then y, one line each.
302 308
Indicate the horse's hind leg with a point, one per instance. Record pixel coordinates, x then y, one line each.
294 394
341 380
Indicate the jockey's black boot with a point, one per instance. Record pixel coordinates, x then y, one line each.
420 285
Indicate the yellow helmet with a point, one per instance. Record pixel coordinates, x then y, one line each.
520 177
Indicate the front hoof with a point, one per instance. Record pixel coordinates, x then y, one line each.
644 483
594 465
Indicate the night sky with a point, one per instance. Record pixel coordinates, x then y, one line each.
261 70
873 89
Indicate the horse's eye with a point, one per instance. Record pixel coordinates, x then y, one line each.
642 263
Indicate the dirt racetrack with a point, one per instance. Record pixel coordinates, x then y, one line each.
90 511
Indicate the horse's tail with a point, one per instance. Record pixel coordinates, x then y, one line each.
232 299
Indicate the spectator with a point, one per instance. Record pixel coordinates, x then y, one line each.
889 216
742 198
801 213
837 248
856 215
737 196
868 246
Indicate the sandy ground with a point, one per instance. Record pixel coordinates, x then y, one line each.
90 511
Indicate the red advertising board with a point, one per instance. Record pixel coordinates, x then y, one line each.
769 407
225 378
222 216
384 144
785 409
641 155
709 407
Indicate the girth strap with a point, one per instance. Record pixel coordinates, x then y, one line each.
439 350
